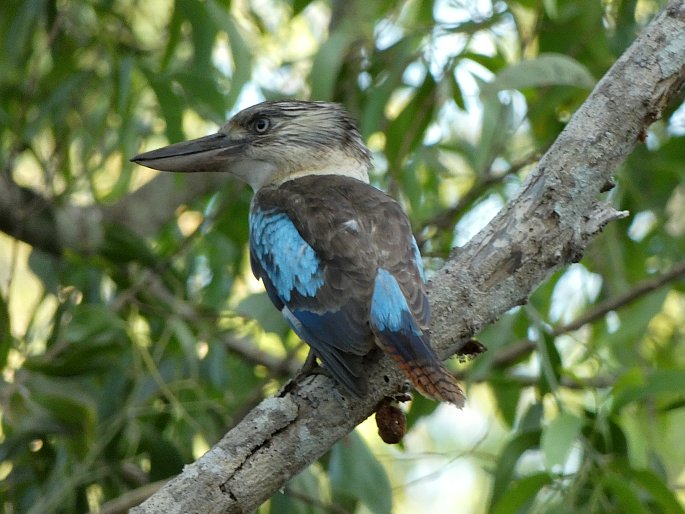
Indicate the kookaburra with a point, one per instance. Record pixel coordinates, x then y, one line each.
336 255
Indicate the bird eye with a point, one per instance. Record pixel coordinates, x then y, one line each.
261 125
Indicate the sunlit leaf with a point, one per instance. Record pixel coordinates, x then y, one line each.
661 492
258 307
169 104
355 473
624 494
559 437
521 493
327 63
504 473
653 385
545 70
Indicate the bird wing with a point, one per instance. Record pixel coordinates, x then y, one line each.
317 243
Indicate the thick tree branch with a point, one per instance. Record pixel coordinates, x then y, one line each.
547 226
42 223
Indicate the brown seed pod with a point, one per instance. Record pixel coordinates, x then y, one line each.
391 422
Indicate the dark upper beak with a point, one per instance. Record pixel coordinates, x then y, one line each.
209 153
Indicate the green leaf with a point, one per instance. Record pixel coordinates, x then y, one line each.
624 494
88 343
23 25
220 254
327 64
201 93
299 6
507 463
240 50
420 407
123 84
545 70
521 493
185 337
169 104
165 458
657 383
661 493
634 320
258 307
496 129
67 401
203 32
508 393
550 363
5 332
532 419
405 132
122 246
389 66
173 35
604 436
558 439
302 495
356 474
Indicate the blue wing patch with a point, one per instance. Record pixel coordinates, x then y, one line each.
395 326
389 309
287 259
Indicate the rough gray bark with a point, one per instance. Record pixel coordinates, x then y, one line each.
547 226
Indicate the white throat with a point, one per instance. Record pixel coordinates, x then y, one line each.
358 171
258 173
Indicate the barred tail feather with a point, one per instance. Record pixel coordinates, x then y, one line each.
421 366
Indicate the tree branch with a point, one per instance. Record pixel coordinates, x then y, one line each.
642 288
547 226
42 223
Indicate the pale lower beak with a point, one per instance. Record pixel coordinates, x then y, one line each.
209 153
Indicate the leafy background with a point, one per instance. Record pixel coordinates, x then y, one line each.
130 344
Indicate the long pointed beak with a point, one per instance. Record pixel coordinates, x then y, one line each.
209 153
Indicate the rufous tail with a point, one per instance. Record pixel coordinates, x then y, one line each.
421 366
432 380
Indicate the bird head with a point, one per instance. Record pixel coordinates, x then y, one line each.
272 142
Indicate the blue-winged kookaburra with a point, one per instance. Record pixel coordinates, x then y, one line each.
336 255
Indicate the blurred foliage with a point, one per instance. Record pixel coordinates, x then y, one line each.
122 364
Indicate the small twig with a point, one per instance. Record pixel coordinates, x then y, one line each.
315 502
130 499
446 219
518 350
641 289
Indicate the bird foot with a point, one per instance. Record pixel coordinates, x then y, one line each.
309 368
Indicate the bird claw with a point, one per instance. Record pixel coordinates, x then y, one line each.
310 368
311 365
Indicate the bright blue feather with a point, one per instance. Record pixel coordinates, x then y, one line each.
394 324
289 262
389 309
